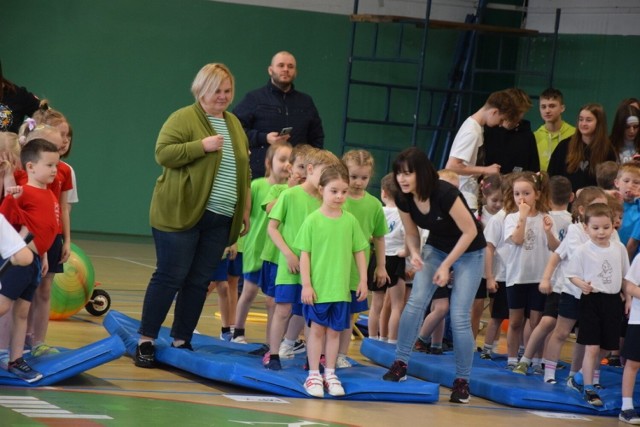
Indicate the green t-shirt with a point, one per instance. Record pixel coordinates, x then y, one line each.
370 215
270 251
331 243
293 206
251 244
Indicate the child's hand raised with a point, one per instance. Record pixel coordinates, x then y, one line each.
524 209
15 191
547 222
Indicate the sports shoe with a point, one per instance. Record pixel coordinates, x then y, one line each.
343 362
521 368
22 370
273 364
571 383
226 336
43 350
612 360
592 398
260 351
598 386
286 351
460 391
332 385
397 372
323 362
511 366
630 416
437 351
313 385
551 381
485 355
538 369
145 355
184 346
421 346
299 347
239 339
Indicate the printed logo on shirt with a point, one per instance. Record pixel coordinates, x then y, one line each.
606 273
6 117
529 240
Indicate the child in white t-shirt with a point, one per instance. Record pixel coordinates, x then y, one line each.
597 267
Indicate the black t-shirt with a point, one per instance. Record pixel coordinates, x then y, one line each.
443 230
582 177
15 106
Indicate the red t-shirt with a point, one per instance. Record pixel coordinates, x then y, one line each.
62 182
38 210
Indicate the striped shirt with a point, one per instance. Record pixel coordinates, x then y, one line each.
224 195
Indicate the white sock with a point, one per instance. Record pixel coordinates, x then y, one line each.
627 403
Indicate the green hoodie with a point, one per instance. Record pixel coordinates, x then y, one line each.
181 192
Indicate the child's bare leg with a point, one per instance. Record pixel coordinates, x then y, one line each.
396 296
281 316
232 297
377 301
18 333
249 293
476 314
271 307
331 347
315 344
514 334
629 378
385 317
589 363
38 320
222 288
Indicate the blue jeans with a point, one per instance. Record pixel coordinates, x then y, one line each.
185 263
466 280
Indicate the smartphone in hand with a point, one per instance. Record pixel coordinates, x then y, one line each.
285 131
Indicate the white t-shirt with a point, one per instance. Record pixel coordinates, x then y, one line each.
633 275
10 240
562 220
603 267
493 234
575 237
72 195
485 216
525 263
465 147
394 239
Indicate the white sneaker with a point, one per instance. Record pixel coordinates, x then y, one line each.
239 339
343 362
314 386
286 351
333 386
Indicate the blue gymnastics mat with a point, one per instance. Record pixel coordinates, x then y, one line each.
67 363
491 380
231 363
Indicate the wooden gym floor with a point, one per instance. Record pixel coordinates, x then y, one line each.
119 394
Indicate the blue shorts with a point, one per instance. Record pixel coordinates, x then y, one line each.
253 277
21 281
290 294
525 296
54 254
333 315
268 278
357 306
569 306
228 267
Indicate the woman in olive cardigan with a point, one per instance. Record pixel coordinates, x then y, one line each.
200 205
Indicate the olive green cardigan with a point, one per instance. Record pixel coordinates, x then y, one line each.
181 192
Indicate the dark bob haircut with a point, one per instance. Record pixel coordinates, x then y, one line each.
415 160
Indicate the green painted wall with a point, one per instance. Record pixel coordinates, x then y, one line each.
118 68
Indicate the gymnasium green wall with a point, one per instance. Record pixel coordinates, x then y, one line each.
118 68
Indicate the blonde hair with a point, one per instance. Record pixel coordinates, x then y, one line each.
449 176
321 157
358 158
10 147
209 79
584 199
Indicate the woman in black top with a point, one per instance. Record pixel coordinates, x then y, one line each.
455 242
578 157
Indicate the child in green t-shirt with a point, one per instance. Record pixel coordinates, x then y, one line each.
328 239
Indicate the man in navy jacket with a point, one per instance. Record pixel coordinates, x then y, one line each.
266 111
